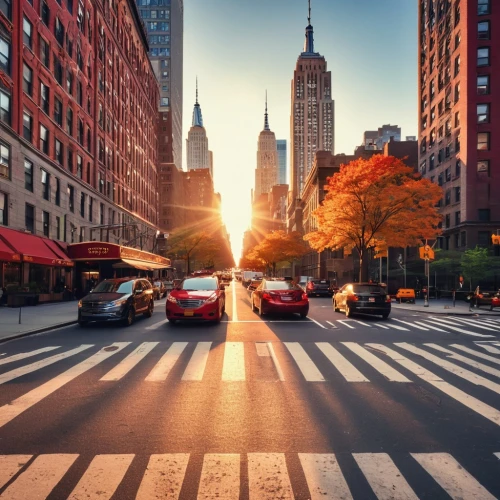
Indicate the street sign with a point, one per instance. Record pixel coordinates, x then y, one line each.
426 252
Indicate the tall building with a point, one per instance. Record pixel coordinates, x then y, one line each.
376 139
164 21
266 173
458 128
281 147
312 119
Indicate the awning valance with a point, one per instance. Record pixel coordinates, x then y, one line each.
7 254
125 263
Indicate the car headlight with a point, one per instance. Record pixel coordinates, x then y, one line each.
211 299
172 299
120 302
80 303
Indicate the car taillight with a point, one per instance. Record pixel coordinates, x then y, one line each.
310 286
266 296
388 298
353 298
304 296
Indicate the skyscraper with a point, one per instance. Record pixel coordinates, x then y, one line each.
266 173
281 146
198 156
312 118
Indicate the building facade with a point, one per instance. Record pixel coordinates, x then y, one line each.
281 147
458 126
377 138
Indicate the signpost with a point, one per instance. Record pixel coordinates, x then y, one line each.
427 254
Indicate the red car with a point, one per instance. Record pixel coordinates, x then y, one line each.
196 298
280 297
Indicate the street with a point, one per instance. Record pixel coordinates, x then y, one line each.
254 407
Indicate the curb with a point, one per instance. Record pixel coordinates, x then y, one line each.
38 330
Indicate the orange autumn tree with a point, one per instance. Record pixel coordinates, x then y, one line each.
373 200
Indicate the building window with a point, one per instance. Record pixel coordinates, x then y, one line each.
80 132
457 168
45 13
69 46
4 106
4 54
44 98
59 153
101 214
27 33
44 139
71 198
457 218
27 80
4 209
457 194
6 8
457 92
82 205
483 7
91 208
69 121
483 56
483 238
483 166
79 166
457 65
457 144
58 70
69 5
44 52
483 215
70 160
46 223
483 84
447 197
447 223
27 126
432 158
89 139
58 228
59 32
79 92
57 200
463 238
45 185
69 82
483 141
483 30
28 175
457 119
58 111
447 174
4 160
483 113
29 217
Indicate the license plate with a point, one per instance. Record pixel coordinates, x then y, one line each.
371 299
286 298
188 312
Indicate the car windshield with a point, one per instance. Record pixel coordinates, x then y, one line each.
319 282
368 289
114 287
199 284
280 285
157 283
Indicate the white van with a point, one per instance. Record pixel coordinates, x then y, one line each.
248 276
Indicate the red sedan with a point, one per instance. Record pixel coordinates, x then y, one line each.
280 297
196 298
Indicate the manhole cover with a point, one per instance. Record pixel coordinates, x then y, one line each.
111 348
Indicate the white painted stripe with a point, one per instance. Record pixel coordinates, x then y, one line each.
11 410
361 323
220 477
38 365
489 348
235 311
262 349
233 368
471 362
410 324
161 370
397 327
332 324
10 465
324 477
380 325
384 477
163 477
155 326
40 478
431 327
477 324
467 400
497 455
449 325
491 359
381 366
451 367
198 362
345 367
345 323
304 362
276 362
102 477
122 368
317 322
268 477
23 355
451 476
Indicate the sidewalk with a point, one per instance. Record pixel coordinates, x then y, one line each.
445 306
35 319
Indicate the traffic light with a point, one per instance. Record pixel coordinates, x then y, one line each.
495 239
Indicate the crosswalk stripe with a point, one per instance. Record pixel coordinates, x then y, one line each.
345 367
38 365
122 368
410 324
23 355
431 327
491 359
324 477
381 366
268 477
233 368
163 477
497 455
467 400
21 404
451 476
102 477
333 325
196 366
451 367
345 323
220 476
317 322
41 477
161 370
276 362
397 327
155 326
10 465
384 477
471 362
489 348
304 362
380 325
362 323
476 324
449 325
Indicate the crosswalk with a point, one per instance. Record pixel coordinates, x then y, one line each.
257 476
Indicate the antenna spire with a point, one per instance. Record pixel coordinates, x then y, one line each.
309 17
266 120
197 88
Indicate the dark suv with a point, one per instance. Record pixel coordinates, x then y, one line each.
318 287
117 299
367 298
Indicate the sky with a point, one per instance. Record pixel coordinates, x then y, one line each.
238 49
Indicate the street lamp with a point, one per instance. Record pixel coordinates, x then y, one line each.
402 266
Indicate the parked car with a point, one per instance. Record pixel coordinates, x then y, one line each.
406 295
367 298
318 288
491 299
280 297
200 298
248 276
254 284
333 289
119 299
161 288
302 281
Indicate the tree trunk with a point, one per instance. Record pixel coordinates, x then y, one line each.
274 269
364 265
188 265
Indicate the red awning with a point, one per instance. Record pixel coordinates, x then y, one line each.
8 254
35 249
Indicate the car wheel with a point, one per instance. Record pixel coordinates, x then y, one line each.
385 315
260 311
348 312
335 308
172 321
129 319
150 310
303 315
82 323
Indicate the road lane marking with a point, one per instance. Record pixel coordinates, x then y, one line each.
324 477
24 355
361 323
491 359
276 362
381 366
103 476
488 348
345 367
410 324
40 478
198 362
163 477
161 370
304 362
467 400
155 326
122 368
332 324
262 349
451 476
233 369
449 325
235 311
497 455
10 465
11 410
397 327
432 327
318 323
384 477
268 477
344 322
379 325
38 365
476 324
220 476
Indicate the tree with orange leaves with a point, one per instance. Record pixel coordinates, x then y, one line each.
373 200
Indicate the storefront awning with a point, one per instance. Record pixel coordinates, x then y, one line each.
7 254
125 263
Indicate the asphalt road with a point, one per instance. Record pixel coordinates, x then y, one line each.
324 407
